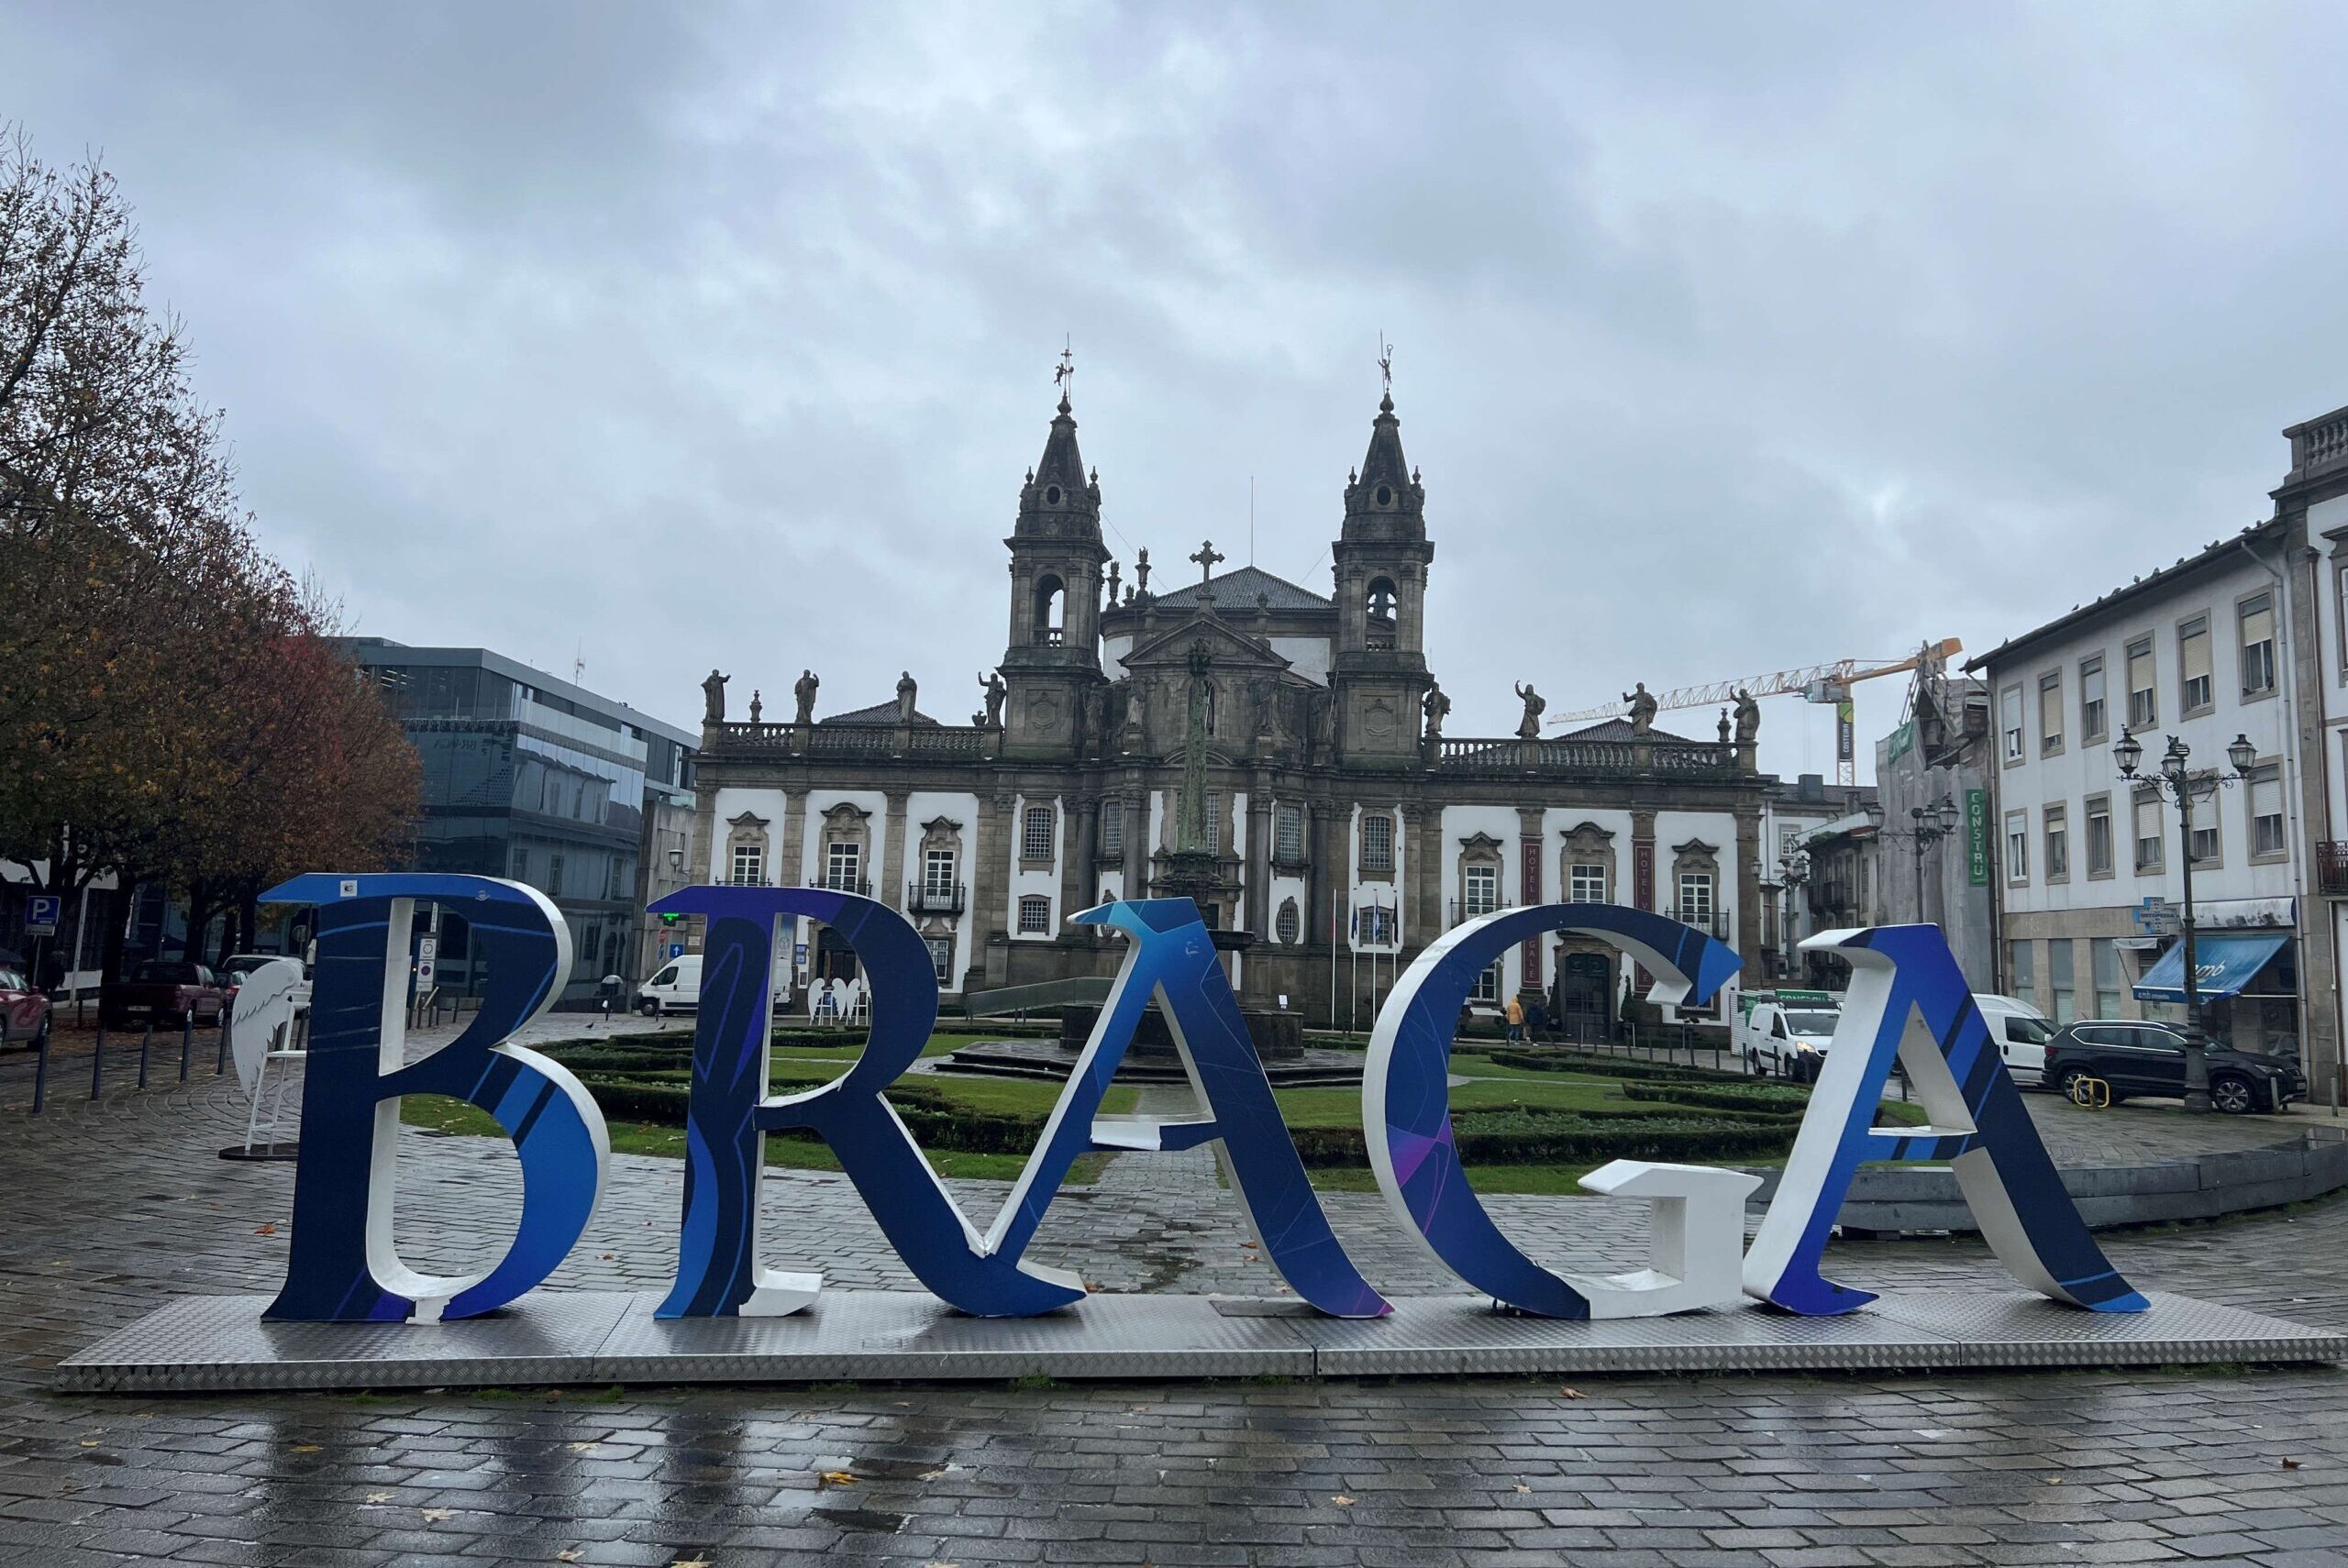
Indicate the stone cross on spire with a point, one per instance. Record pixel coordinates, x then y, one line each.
1207 559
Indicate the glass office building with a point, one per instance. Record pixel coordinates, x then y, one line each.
533 779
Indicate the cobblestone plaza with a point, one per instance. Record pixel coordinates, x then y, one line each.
123 1202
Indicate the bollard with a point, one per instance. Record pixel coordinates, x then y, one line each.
220 1062
187 1041
98 1059
40 1073
146 1041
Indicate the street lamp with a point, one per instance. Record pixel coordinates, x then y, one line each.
1931 825
2174 779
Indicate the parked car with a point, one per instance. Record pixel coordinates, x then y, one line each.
2022 1032
24 1009
2137 1057
164 991
1785 1040
234 969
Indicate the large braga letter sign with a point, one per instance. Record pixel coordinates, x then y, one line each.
1907 999
343 1265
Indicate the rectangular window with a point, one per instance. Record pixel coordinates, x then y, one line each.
1112 828
2017 848
2058 842
2150 834
1696 897
1288 834
941 957
1488 986
2049 713
554 876
1036 833
750 866
2058 979
843 866
1214 820
2266 813
2105 956
2009 723
2098 821
1035 915
2022 977
937 873
1586 884
521 863
2091 702
2143 700
2256 616
1375 925
1377 842
1483 888
2198 691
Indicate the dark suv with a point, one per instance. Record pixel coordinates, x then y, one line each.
2143 1058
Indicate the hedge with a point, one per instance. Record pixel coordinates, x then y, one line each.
1558 1061
1759 1097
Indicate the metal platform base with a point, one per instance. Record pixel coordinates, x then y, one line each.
215 1345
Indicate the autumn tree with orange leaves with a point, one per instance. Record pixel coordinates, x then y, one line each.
172 705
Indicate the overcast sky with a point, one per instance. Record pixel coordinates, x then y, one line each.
1730 337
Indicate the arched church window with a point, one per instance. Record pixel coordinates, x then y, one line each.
1285 924
1051 604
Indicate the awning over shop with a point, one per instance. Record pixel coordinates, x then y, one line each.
2225 965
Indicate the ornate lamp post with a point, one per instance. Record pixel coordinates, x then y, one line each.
1931 824
2175 780
1793 870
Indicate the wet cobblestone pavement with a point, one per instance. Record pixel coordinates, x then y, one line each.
117 1205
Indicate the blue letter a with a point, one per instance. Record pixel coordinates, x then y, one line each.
1908 1001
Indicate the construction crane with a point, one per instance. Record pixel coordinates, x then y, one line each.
1812 683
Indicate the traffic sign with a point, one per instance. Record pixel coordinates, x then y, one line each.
40 914
676 950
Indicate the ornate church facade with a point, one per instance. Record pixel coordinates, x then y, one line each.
1328 815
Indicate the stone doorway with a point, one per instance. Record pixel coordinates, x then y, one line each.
1585 996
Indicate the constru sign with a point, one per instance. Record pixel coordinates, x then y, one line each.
1907 1003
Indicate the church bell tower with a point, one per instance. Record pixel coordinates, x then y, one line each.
1053 662
1381 558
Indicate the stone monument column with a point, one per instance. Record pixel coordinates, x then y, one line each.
1257 918
1748 888
787 872
1318 881
1079 878
1530 850
989 892
1136 842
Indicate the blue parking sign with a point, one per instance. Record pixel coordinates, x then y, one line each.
40 914
676 950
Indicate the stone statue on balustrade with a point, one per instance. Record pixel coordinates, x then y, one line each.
1643 707
804 691
1748 718
1529 726
906 690
756 706
1436 707
713 694
992 683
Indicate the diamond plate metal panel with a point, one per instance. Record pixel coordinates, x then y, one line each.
902 1334
1462 1334
220 1344
2030 1331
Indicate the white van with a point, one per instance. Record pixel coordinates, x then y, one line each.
2022 1032
676 987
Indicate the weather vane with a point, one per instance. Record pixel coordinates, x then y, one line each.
1386 361
1064 377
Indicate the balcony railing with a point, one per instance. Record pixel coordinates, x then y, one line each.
847 740
1712 922
932 898
1461 910
1511 755
2331 868
861 886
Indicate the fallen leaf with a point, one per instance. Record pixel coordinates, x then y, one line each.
934 1475
269 1230
1523 1487
305 1448
839 1478
89 1443
585 1447
567 1554
2053 1480
1342 1500
435 1516
1572 1393
690 1563
379 1496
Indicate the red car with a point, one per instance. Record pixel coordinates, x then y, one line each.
24 1009
164 991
